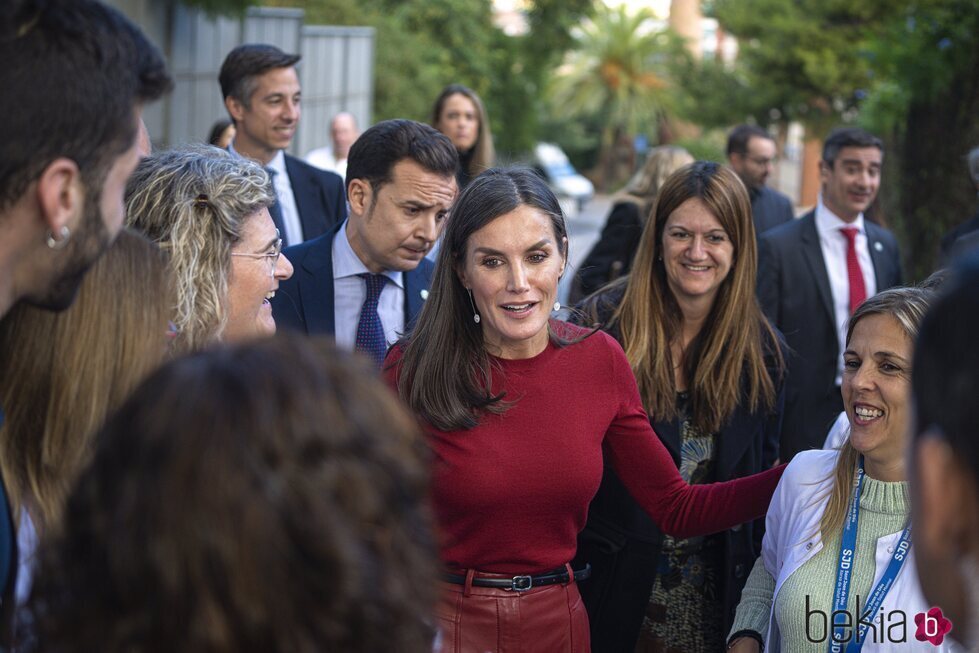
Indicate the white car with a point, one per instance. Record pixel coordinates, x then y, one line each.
553 164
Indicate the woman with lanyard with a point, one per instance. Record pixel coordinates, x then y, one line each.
520 410
838 533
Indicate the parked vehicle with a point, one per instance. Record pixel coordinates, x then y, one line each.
553 164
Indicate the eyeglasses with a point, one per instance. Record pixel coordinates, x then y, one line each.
272 257
761 161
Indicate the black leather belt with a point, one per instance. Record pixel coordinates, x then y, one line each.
521 583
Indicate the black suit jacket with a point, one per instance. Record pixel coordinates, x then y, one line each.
794 291
622 544
769 209
304 302
320 199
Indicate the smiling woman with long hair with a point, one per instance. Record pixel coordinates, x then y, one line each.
709 368
838 530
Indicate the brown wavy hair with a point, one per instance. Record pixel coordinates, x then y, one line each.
62 373
726 363
267 497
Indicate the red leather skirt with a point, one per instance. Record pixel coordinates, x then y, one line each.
550 619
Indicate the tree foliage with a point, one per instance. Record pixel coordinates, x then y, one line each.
617 70
906 69
423 45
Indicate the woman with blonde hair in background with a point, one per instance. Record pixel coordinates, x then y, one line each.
208 210
459 114
710 371
612 255
64 372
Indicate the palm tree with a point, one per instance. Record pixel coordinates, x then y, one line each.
617 70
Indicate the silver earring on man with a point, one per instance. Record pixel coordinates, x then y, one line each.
473 304
557 306
54 243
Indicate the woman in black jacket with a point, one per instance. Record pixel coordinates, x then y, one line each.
709 368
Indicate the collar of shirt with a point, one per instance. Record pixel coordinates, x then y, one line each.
278 163
828 222
346 263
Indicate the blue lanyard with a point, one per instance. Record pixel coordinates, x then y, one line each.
848 548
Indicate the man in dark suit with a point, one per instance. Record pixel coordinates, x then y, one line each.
813 272
751 154
261 92
366 280
959 238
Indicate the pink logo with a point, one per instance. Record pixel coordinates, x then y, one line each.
932 626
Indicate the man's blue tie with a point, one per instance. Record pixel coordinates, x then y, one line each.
370 332
276 211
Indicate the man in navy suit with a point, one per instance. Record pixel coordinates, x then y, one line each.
262 94
365 281
751 154
814 271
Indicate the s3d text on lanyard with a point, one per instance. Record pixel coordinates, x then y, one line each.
840 641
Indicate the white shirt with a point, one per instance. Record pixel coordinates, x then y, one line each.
349 292
322 158
834 245
287 200
839 432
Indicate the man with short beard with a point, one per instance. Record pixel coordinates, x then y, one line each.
751 154
75 77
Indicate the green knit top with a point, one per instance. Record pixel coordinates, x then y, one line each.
884 509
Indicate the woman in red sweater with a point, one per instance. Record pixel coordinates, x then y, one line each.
520 411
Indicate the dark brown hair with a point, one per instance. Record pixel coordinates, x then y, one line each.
265 497
445 370
75 72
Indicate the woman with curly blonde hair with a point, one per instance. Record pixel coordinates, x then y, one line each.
208 210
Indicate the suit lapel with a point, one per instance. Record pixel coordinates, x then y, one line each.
813 254
316 288
304 191
417 282
877 256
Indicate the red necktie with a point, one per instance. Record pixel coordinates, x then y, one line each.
858 291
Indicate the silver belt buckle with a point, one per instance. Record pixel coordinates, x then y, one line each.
521 583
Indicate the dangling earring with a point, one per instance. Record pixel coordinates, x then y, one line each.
473 304
65 234
557 306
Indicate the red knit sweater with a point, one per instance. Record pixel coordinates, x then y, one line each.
511 495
